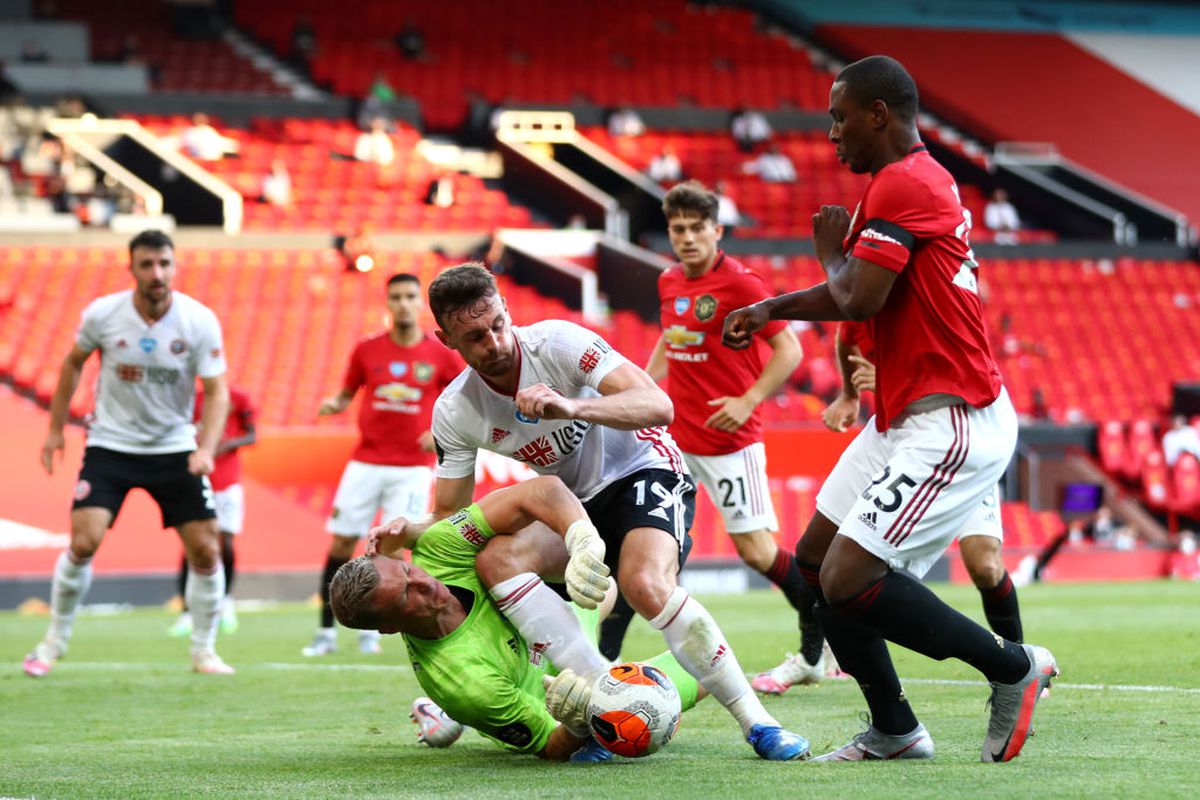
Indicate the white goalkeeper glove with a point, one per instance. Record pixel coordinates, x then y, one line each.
587 574
567 697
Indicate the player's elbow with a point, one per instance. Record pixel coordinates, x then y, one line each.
859 309
663 411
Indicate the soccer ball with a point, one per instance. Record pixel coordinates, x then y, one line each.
634 709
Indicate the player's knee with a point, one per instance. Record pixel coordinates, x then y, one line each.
840 583
986 573
647 592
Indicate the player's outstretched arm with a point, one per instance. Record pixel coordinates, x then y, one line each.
547 499
60 404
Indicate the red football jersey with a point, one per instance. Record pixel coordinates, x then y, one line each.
700 368
227 468
401 385
858 335
929 336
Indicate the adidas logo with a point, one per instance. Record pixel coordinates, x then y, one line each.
867 518
739 514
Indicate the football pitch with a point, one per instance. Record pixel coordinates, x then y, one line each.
122 716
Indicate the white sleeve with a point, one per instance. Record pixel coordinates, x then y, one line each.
455 457
582 357
88 336
209 348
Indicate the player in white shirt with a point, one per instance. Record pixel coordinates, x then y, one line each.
557 397
153 343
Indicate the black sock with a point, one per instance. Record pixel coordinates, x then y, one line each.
863 653
906 612
228 561
183 573
1002 611
812 640
613 628
331 567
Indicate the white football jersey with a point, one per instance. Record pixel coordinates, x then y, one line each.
470 415
147 386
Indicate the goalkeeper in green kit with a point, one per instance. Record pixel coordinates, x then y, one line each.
464 635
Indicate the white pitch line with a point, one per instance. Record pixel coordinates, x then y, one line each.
302 666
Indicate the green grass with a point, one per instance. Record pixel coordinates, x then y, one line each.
123 717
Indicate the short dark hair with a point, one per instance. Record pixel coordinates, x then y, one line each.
403 277
153 239
882 78
460 287
690 197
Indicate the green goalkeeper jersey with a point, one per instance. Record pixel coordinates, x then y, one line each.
482 674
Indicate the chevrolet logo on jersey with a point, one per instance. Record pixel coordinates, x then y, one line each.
679 336
398 392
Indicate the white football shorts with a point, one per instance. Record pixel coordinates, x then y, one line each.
737 485
369 488
230 504
904 494
986 519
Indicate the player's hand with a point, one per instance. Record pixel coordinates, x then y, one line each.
567 697
388 539
330 405
863 377
541 402
200 462
55 443
586 573
741 324
841 413
732 414
830 226
425 440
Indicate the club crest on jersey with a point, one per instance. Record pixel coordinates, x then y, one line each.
527 420
682 304
706 306
147 344
398 369
82 489
177 346
423 371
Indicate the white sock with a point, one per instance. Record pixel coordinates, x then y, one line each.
546 623
71 582
204 592
700 648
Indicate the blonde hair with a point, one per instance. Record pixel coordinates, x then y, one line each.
352 593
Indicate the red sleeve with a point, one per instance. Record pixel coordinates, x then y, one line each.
355 371
243 408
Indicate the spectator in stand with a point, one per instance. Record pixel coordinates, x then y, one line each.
381 90
728 215
1182 438
773 166
624 121
410 41
32 52
750 129
665 167
1038 409
277 185
375 145
1000 217
304 42
203 142
440 191
130 51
